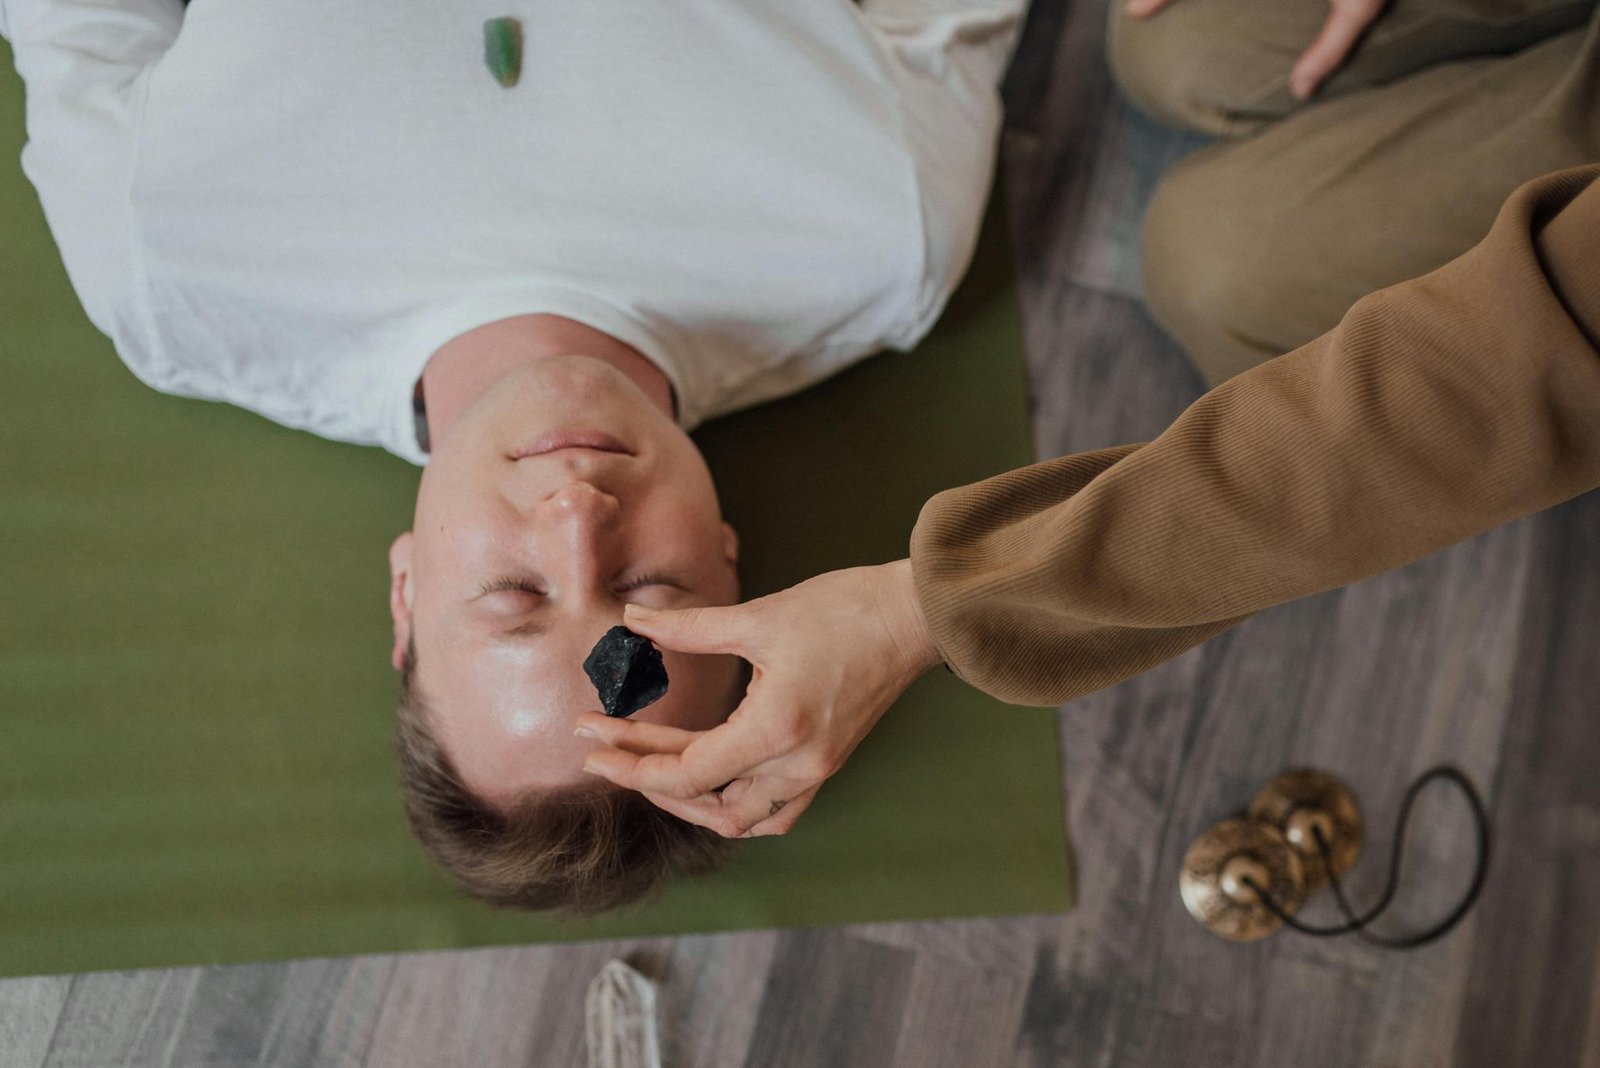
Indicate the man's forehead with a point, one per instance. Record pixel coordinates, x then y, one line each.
508 740
493 669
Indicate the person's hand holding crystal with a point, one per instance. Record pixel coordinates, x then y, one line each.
829 657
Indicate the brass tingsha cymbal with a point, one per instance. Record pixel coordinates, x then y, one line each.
1302 799
1214 883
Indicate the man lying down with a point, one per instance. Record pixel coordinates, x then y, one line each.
340 217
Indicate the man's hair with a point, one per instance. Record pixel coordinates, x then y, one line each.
581 849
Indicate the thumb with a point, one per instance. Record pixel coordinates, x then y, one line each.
691 630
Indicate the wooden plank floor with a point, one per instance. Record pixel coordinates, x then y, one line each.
1484 655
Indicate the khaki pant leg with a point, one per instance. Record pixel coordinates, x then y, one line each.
1221 67
1254 247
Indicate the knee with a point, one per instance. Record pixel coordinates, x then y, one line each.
1153 66
1183 67
1208 276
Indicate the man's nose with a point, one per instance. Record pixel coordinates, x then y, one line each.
581 505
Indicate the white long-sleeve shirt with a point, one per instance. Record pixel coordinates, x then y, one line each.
290 205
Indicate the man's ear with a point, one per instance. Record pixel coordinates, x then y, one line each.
400 596
730 544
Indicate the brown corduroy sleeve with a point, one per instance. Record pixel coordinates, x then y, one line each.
1438 408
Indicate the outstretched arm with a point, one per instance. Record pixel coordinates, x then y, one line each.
1437 409
85 65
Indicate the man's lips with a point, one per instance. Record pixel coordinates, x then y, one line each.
571 439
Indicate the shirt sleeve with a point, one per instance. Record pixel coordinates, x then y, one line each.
966 42
947 59
85 65
1437 409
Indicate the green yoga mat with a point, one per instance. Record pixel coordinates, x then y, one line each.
195 763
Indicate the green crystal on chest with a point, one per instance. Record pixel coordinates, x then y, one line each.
502 49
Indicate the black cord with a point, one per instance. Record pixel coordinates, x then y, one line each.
1358 923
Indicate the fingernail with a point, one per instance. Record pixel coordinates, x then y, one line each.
591 769
585 732
638 611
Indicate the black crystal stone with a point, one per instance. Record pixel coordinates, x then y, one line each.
627 671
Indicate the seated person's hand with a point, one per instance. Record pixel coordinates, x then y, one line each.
829 657
1347 21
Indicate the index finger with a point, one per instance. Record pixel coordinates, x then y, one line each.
732 751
